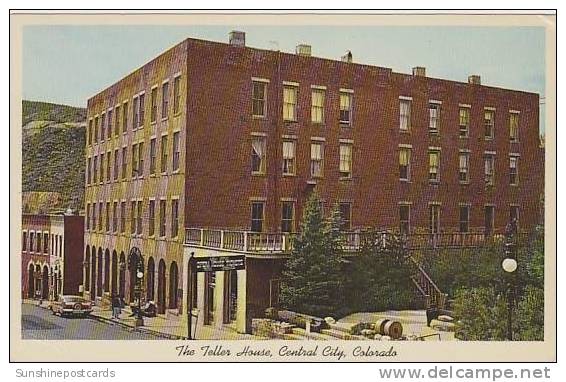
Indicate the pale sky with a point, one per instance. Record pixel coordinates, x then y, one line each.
69 64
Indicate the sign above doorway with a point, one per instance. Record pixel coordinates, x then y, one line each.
220 263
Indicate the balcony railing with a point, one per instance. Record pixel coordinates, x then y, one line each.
265 242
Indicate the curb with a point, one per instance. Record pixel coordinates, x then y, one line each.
139 329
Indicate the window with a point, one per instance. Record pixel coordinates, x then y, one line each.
95 170
125 117
153 113
165 100
108 165
290 103
346 216
489 124
317 159
102 127
45 243
96 129
257 217
174 217
405 115
152 155
176 94
489 220
164 153
464 166
135 113
107 217
133 223
87 216
116 164
405 163
140 159
513 170
117 120
134 160
25 241
258 99
110 120
101 167
434 166
464 121
489 170
93 216
464 218
151 217
142 109
162 218
514 127
317 106
288 217
122 217
88 170
514 214
89 133
38 246
115 217
434 218
100 216
288 157
124 161
258 155
31 237
404 219
176 150
345 108
345 160
434 117
139 228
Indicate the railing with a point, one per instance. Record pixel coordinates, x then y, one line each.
430 291
245 241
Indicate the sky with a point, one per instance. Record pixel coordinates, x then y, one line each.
68 64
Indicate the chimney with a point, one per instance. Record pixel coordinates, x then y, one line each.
474 79
419 71
347 57
303 50
237 38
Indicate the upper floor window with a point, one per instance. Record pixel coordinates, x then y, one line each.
133 216
464 121
317 106
125 117
346 215
116 159
489 169
141 110
141 156
514 126
152 155
464 218
115 217
258 155
405 163
162 217
110 120
122 217
89 132
405 115
288 217
464 164
288 157
257 216
108 165
151 217
107 217
290 103
96 122
176 94
117 117
153 113
165 100
176 150
139 229
25 241
164 153
317 159
404 219
513 170
345 160
259 105
124 161
101 168
434 166
345 108
135 157
87 218
88 170
135 112
434 117
489 124
174 217
102 126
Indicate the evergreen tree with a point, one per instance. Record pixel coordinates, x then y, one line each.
313 278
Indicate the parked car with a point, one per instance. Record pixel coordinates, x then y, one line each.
71 306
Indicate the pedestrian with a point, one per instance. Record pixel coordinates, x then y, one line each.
116 307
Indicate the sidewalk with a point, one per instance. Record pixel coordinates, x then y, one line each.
171 327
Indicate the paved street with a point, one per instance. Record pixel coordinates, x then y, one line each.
40 324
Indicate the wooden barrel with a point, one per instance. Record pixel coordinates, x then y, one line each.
390 328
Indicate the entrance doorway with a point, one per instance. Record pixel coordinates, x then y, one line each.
230 296
45 283
209 305
161 287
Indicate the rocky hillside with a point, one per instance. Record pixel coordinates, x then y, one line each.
53 144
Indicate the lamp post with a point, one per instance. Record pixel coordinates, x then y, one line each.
509 265
139 278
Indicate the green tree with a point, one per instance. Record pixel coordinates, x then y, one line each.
313 277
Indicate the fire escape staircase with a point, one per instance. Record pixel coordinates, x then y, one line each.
427 289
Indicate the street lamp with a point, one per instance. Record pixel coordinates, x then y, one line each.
139 278
509 265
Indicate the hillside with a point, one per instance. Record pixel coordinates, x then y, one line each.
53 141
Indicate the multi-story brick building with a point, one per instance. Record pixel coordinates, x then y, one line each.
52 247
222 140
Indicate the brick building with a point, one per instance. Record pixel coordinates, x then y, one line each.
52 247
228 142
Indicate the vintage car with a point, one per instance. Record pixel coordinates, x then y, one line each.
71 306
